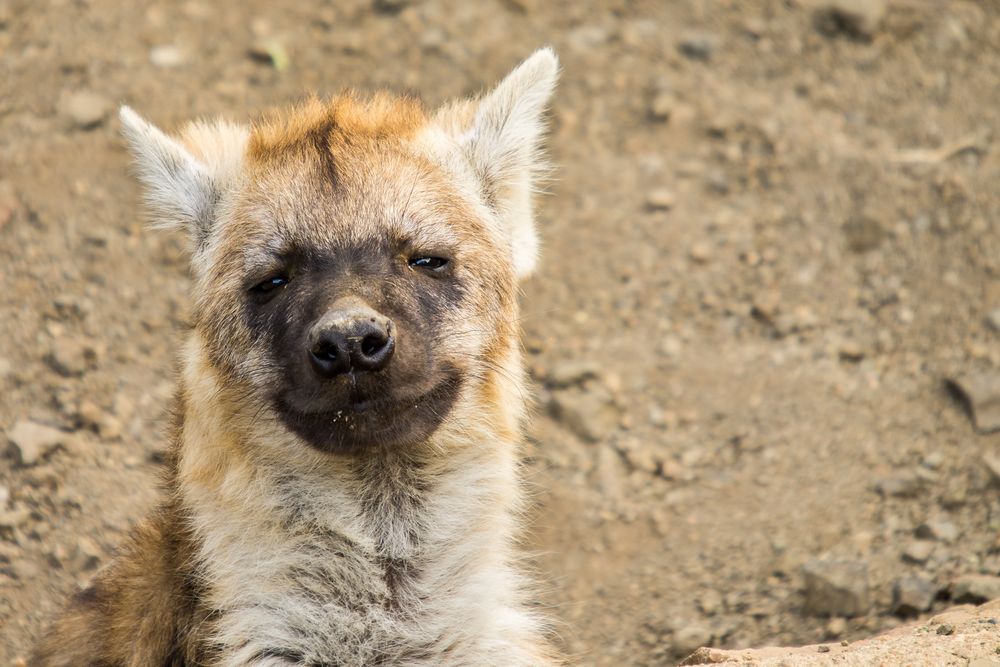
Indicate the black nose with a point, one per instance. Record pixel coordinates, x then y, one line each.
356 338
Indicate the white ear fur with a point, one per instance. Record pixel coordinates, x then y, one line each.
182 190
503 144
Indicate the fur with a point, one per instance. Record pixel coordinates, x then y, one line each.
269 549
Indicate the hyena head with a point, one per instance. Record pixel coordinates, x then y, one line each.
356 261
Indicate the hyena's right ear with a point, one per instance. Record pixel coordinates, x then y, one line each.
500 136
184 178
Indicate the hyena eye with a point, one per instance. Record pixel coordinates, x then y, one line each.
429 263
267 288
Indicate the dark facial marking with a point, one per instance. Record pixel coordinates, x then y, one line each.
396 405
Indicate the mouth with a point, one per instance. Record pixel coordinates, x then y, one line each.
364 423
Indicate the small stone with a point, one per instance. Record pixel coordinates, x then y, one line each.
836 588
933 460
270 52
572 373
85 108
698 44
87 554
851 350
858 18
710 602
690 638
591 414
662 106
863 233
981 392
836 627
822 648
992 464
946 629
993 320
943 531
14 518
167 56
109 427
660 199
32 440
391 6
10 203
918 551
900 486
975 588
912 595
700 252
72 357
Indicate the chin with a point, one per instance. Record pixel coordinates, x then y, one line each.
353 427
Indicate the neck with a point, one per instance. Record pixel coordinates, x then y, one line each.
416 545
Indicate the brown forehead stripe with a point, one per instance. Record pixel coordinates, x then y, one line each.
343 120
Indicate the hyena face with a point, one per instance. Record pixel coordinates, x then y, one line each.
356 262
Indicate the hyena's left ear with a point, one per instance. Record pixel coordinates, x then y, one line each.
184 177
502 142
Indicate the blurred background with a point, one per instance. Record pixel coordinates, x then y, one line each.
763 338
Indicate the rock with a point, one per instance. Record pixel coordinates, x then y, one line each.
836 627
611 473
975 588
698 44
918 551
851 350
32 440
14 518
87 555
391 6
591 414
690 638
981 392
945 629
661 107
660 199
572 373
10 203
943 531
836 588
984 662
270 52
710 602
912 595
167 56
993 320
86 109
992 464
863 233
900 486
72 357
858 18
700 252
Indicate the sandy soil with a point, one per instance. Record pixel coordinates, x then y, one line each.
772 238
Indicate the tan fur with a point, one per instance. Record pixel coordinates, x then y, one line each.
269 551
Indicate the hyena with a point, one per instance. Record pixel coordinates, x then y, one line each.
342 486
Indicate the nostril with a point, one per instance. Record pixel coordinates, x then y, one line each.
325 352
372 344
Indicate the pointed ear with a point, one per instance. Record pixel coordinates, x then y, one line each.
183 179
503 144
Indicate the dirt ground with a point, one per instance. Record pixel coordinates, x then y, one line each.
772 237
